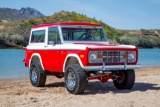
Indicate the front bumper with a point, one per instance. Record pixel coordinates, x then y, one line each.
111 67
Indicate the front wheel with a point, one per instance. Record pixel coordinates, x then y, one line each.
124 79
37 75
75 79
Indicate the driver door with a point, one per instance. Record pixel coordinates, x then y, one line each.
52 54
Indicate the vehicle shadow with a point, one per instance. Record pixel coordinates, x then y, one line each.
101 88
56 84
96 87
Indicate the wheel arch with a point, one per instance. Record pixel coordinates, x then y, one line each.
72 59
36 57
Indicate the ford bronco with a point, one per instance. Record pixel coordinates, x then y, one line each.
79 52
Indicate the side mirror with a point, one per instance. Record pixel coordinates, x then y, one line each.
51 43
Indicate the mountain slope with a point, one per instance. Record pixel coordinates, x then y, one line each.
13 15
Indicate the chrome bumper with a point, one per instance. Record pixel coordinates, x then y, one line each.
111 67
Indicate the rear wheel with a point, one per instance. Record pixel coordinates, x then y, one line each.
75 79
37 75
124 79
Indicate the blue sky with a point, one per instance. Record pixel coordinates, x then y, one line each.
120 14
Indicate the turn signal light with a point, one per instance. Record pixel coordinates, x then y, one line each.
82 56
125 56
99 56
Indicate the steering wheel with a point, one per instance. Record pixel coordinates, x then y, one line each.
81 36
89 37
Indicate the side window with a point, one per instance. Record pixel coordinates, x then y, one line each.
38 36
53 36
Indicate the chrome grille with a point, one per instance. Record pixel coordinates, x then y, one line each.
114 56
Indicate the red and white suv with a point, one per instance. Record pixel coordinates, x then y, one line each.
79 52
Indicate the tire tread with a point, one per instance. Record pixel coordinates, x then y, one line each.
81 78
41 75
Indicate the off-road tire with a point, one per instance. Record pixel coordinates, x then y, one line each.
128 82
79 82
37 74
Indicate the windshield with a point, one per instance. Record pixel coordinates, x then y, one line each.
83 34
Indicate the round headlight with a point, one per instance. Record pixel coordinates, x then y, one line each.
92 56
131 56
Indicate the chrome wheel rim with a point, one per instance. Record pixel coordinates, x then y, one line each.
34 75
71 80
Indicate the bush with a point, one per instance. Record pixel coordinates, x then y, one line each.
12 40
128 40
139 41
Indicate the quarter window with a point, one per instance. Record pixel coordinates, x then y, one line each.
38 36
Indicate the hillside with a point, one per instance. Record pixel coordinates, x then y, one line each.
16 34
13 15
71 16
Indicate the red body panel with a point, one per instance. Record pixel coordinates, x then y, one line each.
53 60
